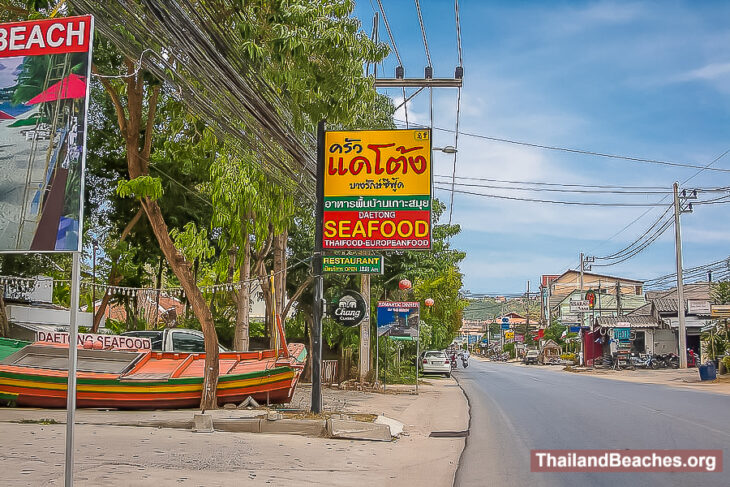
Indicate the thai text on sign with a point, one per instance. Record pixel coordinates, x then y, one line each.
377 189
102 341
354 264
54 36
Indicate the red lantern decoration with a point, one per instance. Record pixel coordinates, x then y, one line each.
404 284
429 302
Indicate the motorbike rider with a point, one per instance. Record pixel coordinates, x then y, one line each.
465 358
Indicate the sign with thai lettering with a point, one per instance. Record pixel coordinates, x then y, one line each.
398 318
509 335
698 307
45 67
622 334
350 309
96 341
353 264
579 305
377 189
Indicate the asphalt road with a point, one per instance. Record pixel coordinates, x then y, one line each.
516 409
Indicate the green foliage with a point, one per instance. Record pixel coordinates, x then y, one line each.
192 242
509 348
720 292
140 187
716 344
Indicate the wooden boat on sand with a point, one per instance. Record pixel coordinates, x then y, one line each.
37 376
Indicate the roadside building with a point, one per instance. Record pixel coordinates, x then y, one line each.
663 307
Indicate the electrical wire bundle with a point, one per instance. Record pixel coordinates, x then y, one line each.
193 51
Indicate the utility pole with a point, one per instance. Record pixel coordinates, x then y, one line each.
582 315
680 285
527 314
365 328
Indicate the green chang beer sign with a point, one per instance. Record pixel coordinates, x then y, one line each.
353 264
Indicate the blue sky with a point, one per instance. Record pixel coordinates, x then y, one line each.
646 79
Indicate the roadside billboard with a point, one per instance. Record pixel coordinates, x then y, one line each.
377 190
398 318
45 67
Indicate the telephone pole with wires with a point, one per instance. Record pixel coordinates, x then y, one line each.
679 208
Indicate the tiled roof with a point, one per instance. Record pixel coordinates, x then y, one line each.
697 290
634 321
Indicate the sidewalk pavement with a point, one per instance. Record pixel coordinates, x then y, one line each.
687 378
109 453
684 378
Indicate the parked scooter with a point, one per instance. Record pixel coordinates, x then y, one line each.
644 361
669 360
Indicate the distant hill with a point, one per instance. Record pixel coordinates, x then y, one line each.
488 308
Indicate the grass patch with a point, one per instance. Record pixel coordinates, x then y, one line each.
39 421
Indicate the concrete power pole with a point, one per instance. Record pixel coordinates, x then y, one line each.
527 315
582 315
365 329
680 285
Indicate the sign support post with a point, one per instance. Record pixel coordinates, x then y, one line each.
317 306
72 361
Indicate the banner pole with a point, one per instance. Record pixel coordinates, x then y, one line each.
72 361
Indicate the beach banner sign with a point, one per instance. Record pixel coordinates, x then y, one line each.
45 67
377 190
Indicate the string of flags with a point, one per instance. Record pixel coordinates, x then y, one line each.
29 284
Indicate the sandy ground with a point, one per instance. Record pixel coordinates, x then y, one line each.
687 378
33 454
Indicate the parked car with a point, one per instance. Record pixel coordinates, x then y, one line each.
531 357
174 340
436 362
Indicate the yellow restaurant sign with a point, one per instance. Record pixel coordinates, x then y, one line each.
377 189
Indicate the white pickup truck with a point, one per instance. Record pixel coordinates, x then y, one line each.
174 340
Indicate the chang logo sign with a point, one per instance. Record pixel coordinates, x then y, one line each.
350 309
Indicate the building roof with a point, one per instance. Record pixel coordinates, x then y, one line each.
697 290
600 276
631 321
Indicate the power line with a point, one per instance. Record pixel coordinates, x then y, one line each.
536 200
458 31
423 32
587 152
390 33
562 190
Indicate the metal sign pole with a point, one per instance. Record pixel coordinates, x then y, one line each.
318 304
72 360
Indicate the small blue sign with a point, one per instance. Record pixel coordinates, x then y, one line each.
574 329
622 334
472 338
505 326
505 319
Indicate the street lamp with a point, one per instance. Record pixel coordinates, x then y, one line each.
449 149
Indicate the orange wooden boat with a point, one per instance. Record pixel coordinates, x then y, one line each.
37 375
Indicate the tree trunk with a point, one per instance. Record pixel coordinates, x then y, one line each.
279 280
114 276
4 325
184 273
243 299
131 125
